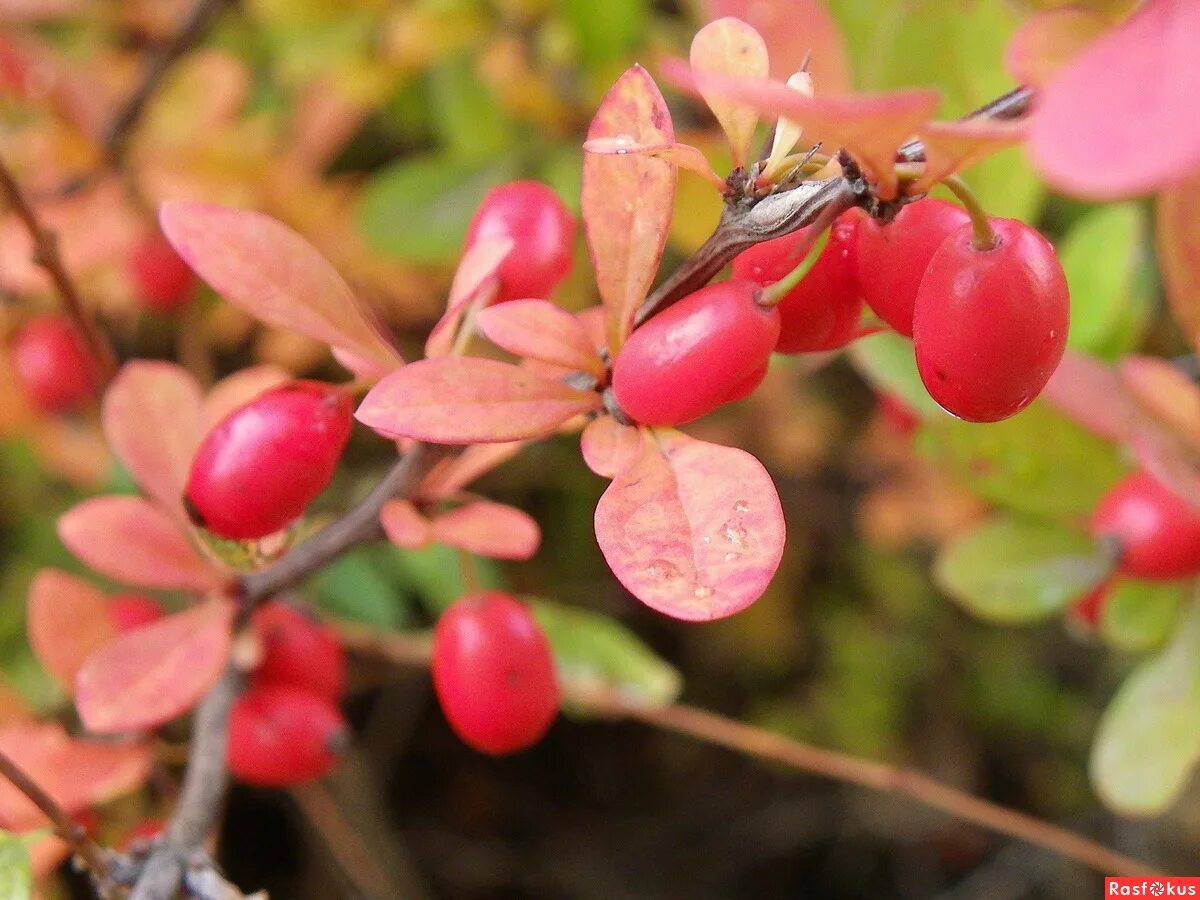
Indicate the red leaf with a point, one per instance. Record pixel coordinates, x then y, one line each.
404 525
464 400
540 330
1177 235
152 422
268 270
131 540
1047 41
627 200
156 673
476 275
67 620
1120 119
239 389
489 529
951 147
795 30
453 475
693 530
869 126
730 47
77 774
608 447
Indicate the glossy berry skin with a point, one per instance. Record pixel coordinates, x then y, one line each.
1156 532
990 326
695 355
543 234
298 651
161 280
891 259
493 672
822 311
53 364
266 461
281 735
133 611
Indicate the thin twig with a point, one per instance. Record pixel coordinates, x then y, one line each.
46 255
64 826
722 731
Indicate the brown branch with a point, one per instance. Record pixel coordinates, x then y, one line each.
64 826
46 255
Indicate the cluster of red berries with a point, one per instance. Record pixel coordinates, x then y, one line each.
286 728
493 672
989 325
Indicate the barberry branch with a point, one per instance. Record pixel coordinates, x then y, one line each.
722 731
46 254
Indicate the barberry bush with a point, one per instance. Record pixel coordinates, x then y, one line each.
837 408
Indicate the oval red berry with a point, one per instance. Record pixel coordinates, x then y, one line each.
1156 532
281 735
53 364
299 651
161 280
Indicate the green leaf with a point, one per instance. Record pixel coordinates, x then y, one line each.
594 651
1101 255
886 361
1138 615
466 120
355 586
1014 571
1038 462
418 209
1148 741
16 870
435 575
606 31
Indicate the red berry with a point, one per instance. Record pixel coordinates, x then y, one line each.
891 258
143 834
543 234
1087 609
282 735
695 355
161 279
266 461
990 326
897 415
298 651
53 364
494 673
1156 532
748 385
133 611
822 311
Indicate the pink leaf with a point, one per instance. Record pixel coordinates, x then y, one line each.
627 200
1177 236
609 447
795 30
131 540
404 525
730 47
360 366
268 270
464 400
476 275
1050 39
540 330
951 147
1089 392
1120 119
453 475
77 774
693 530
489 529
239 389
869 126
152 422
1162 454
67 620
156 673
685 156
1166 393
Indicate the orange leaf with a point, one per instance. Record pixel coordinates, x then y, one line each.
627 200
453 475
1047 41
464 400
685 156
1166 393
75 773
608 447
951 147
795 30
131 540
870 126
67 620
730 47
693 530
1177 237
404 525
489 529
476 274
239 389
156 673
268 270
540 330
152 422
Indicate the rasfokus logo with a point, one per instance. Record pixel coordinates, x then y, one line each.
1152 887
